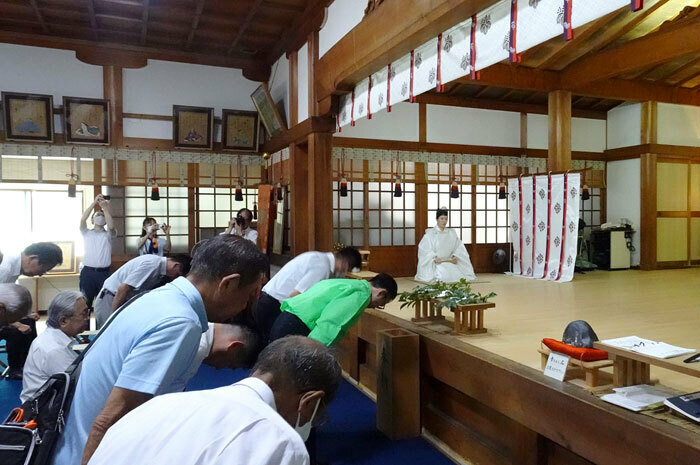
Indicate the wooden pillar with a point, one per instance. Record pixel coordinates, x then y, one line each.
421 206
112 90
649 127
313 60
398 383
299 201
320 188
647 228
559 152
293 89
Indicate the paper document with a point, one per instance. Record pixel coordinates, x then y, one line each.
648 347
637 398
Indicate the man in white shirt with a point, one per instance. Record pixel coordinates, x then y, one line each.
36 260
225 345
98 248
51 352
297 276
15 304
138 275
262 420
240 226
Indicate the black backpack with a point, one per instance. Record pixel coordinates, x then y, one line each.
29 434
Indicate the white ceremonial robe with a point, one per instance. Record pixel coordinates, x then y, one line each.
443 245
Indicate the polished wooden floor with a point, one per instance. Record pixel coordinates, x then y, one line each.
658 305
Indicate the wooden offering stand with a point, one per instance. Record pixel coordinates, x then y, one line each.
469 319
426 310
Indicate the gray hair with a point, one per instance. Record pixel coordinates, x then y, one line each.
63 305
251 340
305 363
17 301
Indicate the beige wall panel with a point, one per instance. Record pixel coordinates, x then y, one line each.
672 186
672 239
695 187
695 238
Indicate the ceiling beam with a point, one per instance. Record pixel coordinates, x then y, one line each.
283 7
195 23
682 72
144 21
501 105
39 16
93 19
297 34
649 50
246 22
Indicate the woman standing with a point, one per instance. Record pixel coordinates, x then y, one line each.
442 255
98 248
150 242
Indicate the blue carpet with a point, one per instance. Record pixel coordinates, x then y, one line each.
349 437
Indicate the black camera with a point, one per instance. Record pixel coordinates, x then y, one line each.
106 197
239 220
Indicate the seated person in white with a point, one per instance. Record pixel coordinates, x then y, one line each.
442 255
50 352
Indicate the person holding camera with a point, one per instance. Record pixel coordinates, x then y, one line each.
98 248
240 226
150 243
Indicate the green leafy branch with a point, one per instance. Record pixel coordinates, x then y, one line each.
445 295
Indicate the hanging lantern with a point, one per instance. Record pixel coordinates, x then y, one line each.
454 190
155 192
585 194
152 181
279 191
239 186
239 193
502 192
343 187
255 210
397 187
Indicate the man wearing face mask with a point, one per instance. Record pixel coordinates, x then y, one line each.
299 275
267 417
98 248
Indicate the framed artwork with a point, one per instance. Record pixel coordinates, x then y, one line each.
239 130
28 117
269 115
86 121
193 127
69 261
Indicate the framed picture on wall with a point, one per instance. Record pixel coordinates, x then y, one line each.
86 121
28 117
69 262
269 115
193 127
239 130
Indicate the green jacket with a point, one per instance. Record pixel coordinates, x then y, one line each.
330 307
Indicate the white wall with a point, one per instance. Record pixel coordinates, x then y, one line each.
303 82
588 135
625 126
624 197
342 16
400 124
279 84
470 126
678 125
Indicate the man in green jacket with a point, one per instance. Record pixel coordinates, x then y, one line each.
327 310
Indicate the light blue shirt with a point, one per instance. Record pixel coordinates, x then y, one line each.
149 347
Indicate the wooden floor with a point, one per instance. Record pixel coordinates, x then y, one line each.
658 305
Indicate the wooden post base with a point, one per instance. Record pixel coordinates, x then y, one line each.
426 310
628 372
469 319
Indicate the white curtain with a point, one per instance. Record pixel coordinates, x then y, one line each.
400 79
492 34
538 21
544 213
345 110
425 67
377 97
361 101
585 11
454 55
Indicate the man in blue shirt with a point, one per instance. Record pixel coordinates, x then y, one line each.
149 347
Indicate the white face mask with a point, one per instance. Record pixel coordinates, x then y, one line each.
305 430
99 220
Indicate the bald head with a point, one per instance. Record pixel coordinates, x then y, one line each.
15 303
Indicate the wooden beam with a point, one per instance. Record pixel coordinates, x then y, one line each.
243 27
298 134
297 33
320 188
388 33
93 19
144 21
312 61
559 148
299 182
293 89
487 104
647 229
195 23
39 16
422 122
668 44
649 123
113 91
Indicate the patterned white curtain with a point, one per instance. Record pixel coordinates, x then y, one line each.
493 34
454 55
544 214
425 67
400 80
377 94
538 21
585 11
345 110
360 105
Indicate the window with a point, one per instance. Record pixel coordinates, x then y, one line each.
491 216
590 210
349 215
215 206
460 209
392 220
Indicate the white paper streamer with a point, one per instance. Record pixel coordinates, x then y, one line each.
493 34
454 58
425 67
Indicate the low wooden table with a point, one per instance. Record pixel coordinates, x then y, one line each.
426 310
590 369
630 368
469 319
364 274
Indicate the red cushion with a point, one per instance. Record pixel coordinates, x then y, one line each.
579 353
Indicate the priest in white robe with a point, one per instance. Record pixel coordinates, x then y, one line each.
442 255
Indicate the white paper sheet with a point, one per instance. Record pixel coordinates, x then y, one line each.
637 398
648 347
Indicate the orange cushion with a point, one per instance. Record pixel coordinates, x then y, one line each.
579 353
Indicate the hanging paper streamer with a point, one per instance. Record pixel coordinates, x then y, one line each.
454 52
537 22
400 79
425 67
493 34
378 93
544 213
360 105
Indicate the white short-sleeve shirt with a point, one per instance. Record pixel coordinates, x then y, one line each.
205 344
249 233
142 273
302 272
10 268
50 353
187 428
98 248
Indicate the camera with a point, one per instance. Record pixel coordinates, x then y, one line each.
106 197
239 220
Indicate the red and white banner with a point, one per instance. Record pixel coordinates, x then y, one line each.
544 214
492 39
425 67
454 52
